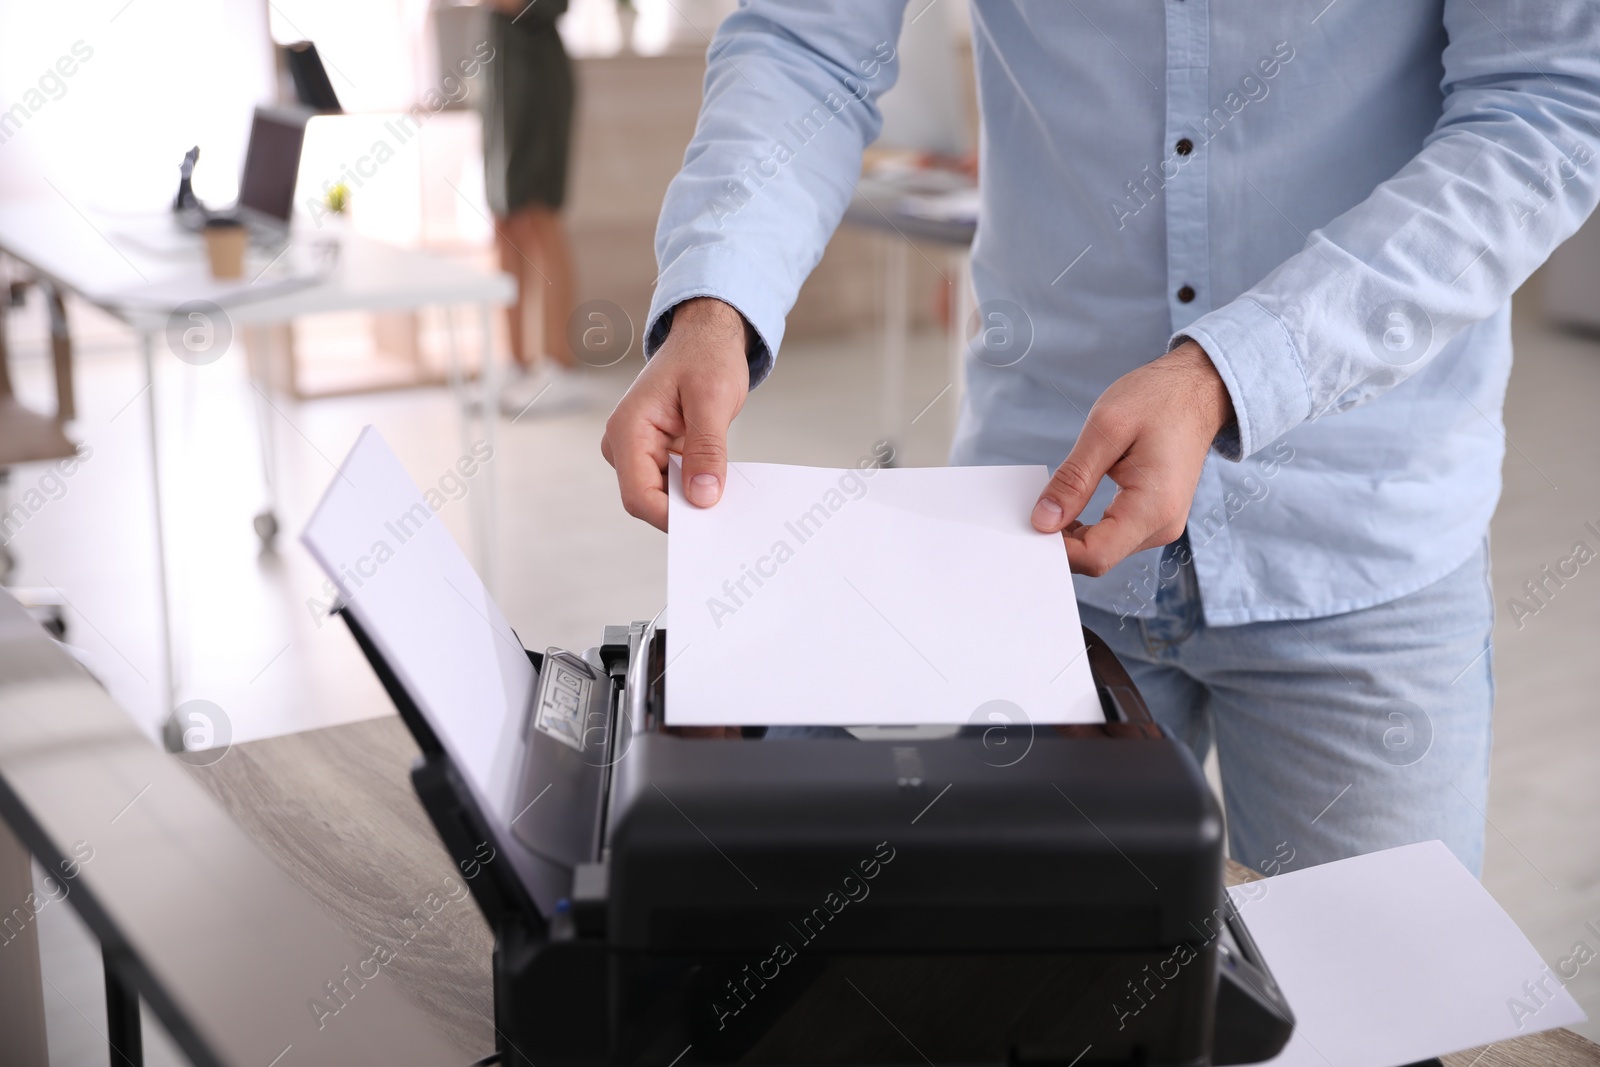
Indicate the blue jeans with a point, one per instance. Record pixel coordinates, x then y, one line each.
1335 736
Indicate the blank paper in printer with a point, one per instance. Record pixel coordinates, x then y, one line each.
818 596
421 603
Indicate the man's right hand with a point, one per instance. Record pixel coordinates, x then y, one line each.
683 401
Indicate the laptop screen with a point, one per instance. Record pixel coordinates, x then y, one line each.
271 163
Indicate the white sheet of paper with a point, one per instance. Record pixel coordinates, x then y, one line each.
851 597
1396 957
419 600
168 293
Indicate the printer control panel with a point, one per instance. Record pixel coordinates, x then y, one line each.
567 751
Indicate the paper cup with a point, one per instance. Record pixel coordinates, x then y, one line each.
225 244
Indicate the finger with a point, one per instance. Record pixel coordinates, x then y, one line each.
640 458
706 416
1132 522
1095 452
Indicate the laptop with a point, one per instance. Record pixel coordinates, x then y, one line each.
266 188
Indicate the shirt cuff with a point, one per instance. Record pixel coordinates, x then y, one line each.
1256 356
718 271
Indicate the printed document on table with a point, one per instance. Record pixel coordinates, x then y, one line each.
878 596
1400 956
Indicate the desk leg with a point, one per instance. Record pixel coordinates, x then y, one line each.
458 388
61 354
491 416
21 981
896 328
961 261
171 729
124 1032
258 370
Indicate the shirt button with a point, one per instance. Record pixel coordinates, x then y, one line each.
1184 146
1186 294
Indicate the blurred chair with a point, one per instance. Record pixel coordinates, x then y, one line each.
27 436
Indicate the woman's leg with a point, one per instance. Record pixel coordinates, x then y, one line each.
513 240
555 260
534 250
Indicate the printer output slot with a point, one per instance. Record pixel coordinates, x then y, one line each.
1126 714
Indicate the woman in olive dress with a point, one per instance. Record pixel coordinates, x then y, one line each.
527 136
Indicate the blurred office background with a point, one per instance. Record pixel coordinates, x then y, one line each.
163 75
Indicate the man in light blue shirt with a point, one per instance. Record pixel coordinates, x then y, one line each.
1265 254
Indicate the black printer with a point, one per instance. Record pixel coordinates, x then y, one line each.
1004 893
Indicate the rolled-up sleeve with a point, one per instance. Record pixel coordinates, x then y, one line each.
790 103
1507 174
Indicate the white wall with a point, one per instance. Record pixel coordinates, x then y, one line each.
160 76
376 51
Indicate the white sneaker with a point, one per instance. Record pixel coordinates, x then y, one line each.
549 389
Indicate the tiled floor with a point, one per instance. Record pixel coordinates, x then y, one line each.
570 561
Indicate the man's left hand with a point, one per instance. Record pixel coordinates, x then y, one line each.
1149 433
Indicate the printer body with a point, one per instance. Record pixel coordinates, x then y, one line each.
1004 892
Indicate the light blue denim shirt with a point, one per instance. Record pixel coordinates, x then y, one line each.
1335 199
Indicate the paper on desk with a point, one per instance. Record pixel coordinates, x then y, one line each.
267 273
198 285
421 603
816 596
1396 957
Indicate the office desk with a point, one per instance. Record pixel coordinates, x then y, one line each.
103 259
335 809
192 919
880 206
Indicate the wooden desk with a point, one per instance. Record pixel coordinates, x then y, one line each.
192 919
335 809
